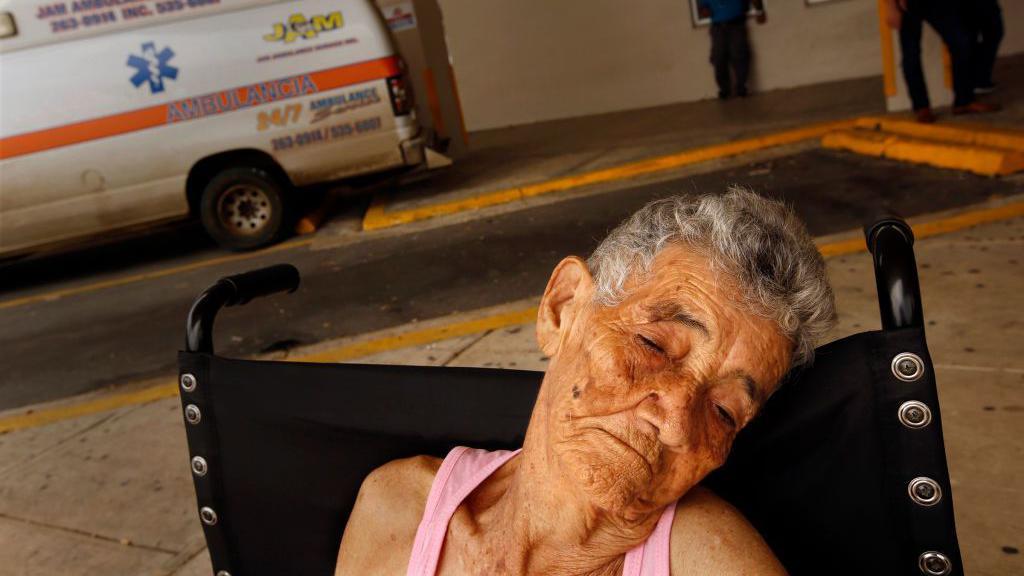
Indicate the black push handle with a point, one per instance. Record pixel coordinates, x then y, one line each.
233 291
262 282
891 242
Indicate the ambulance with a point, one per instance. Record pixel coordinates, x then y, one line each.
118 113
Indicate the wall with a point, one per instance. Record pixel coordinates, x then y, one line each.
521 61
1013 17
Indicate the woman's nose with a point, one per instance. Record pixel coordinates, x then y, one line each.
669 411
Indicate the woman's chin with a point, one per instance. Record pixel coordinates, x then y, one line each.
611 486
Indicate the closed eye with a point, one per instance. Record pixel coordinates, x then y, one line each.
726 416
650 344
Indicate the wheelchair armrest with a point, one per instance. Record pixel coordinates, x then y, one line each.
233 291
891 242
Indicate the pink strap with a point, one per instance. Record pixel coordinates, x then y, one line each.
651 557
460 473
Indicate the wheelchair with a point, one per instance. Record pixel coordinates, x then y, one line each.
843 473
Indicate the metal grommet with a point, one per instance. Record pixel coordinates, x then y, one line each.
199 467
188 382
914 414
207 515
907 366
924 491
934 564
223 573
192 414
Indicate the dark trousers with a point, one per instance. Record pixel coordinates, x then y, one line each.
944 17
730 48
985 20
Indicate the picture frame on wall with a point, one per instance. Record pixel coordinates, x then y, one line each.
699 21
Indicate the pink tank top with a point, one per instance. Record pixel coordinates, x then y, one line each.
466 468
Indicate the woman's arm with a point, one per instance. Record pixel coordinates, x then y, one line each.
709 536
381 530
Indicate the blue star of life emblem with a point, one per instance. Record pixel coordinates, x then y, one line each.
152 67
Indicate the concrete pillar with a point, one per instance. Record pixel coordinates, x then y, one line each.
418 31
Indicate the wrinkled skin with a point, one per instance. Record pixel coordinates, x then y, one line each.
641 400
637 408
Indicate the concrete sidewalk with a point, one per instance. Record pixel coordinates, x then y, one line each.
110 492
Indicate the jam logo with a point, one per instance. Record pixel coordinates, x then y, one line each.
298 26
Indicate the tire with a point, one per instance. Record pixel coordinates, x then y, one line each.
244 207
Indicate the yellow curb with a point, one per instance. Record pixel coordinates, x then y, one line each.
378 217
978 159
58 294
967 220
928 229
375 211
421 337
959 133
34 418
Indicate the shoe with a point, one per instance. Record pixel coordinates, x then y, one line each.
925 116
986 88
976 108
723 95
742 92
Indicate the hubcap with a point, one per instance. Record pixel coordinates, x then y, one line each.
243 210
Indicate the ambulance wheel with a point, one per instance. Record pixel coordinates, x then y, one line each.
243 208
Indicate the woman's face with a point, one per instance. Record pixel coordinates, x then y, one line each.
643 399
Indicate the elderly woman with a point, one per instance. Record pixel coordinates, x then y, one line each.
663 346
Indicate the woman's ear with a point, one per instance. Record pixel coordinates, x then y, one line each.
569 285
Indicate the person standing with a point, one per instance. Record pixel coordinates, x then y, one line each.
985 20
944 16
730 46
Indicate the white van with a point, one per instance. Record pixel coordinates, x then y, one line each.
115 113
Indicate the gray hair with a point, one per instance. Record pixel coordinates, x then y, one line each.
760 243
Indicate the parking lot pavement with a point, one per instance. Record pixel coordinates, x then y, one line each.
110 492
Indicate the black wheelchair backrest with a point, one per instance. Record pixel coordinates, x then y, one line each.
844 472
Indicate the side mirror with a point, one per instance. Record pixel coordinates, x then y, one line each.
7 26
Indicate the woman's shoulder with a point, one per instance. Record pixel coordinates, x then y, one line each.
406 477
710 536
387 513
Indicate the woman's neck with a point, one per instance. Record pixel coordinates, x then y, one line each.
528 519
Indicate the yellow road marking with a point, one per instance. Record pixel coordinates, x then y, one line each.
967 220
378 217
421 337
34 418
982 160
938 227
958 133
45 416
114 282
